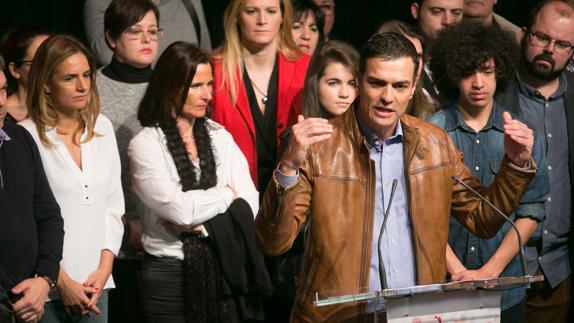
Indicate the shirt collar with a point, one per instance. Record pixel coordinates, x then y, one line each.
453 119
4 136
375 141
530 92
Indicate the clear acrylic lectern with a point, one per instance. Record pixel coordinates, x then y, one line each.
461 301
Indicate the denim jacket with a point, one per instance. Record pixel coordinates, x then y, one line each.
483 152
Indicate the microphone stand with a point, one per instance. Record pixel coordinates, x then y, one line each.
520 248
382 272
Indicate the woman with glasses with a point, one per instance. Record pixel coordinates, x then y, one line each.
258 71
18 49
80 157
132 32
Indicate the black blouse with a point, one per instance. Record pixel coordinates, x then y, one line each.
265 135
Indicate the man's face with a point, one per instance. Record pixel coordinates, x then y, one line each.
478 8
542 56
476 91
433 15
328 9
385 89
3 85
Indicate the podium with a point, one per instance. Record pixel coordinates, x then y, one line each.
460 301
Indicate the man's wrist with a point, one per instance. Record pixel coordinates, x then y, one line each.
288 168
525 165
51 283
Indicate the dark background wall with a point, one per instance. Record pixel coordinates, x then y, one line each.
355 19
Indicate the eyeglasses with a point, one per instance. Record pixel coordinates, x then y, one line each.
328 9
135 33
539 39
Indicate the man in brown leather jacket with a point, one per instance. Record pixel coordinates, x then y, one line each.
343 173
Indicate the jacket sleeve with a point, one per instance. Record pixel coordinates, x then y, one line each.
505 192
282 213
239 177
49 221
532 204
115 207
154 186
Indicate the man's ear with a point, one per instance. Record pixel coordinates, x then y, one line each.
111 43
415 10
523 32
413 90
13 71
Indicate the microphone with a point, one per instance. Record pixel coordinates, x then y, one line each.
382 272
520 248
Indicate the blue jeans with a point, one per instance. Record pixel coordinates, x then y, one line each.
54 312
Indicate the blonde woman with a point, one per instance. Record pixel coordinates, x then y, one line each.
80 156
258 70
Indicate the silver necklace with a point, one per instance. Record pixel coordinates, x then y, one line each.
265 98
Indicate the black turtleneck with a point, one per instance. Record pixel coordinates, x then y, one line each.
125 73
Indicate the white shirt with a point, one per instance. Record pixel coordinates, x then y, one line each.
91 198
157 184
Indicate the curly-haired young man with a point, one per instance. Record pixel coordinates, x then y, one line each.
471 63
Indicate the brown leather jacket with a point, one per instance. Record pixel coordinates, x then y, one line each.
337 184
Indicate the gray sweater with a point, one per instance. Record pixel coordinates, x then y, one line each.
119 102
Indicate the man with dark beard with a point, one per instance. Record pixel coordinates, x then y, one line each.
542 95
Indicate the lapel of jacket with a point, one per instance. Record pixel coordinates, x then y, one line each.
285 79
410 140
243 107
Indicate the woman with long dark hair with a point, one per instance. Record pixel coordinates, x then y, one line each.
186 169
331 81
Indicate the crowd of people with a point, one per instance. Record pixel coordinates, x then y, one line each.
152 176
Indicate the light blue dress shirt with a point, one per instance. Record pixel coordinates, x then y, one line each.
396 244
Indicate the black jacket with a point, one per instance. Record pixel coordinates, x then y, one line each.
245 276
31 227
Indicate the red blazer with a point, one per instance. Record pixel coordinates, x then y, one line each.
237 118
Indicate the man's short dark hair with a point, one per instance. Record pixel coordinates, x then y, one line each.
121 14
463 49
390 46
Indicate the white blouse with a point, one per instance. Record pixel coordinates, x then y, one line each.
157 184
91 198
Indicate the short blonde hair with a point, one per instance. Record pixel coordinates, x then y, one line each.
49 55
230 52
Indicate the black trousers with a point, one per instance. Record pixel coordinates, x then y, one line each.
161 288
124 303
